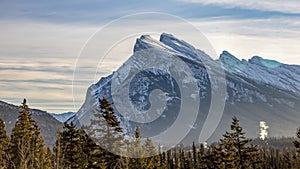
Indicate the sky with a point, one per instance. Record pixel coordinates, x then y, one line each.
41 40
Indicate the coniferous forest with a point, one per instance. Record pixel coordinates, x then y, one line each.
76 148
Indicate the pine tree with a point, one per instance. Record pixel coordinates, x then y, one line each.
105 130
4 147
136 151
195 156
201 156
153 159
38 149
95 154
113 137
214 158
47 161
234 149
297 142
94 149
69 148
287 163
57 159
27 146
297 145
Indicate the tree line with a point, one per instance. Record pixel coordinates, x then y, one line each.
86 148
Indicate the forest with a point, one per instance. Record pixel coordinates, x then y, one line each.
82 148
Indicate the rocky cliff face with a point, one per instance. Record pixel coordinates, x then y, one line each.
257 90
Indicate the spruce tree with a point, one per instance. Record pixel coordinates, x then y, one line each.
27 146
297 142
57 159
201 156
105 130
136 151
95 154
4 147
47 159
143 155
214 158
195 155
153 159
297 145
69 148
235 150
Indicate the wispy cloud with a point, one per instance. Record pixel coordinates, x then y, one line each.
37 60
291 6
273 38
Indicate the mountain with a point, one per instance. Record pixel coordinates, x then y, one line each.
256 90
63 117
48 124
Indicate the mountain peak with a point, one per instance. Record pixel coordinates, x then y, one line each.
255 60
145 37
264 62
141 43
225 52
173 42
146 42
228 58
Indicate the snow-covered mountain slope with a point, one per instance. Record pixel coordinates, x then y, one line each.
264 71
257 90
63 117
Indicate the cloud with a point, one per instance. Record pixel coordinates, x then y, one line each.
272 38
37 61
291 6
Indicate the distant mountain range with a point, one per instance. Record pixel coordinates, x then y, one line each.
47 123
63 117
257 90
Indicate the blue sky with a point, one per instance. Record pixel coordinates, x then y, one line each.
40 40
